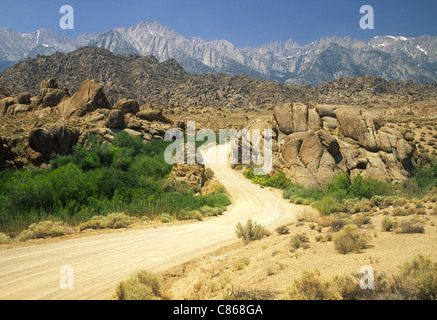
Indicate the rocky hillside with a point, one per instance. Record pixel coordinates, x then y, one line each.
147 80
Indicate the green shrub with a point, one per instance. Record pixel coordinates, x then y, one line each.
282 229
417 279
118 220
44 229
326 205
241 264
165 218
350 239
399 211
206 210
250 232
340 182
96 222
388 224
143 285
98 179
298 240
277 180
310 286
218 211
410 226
194 214
4 238
368 187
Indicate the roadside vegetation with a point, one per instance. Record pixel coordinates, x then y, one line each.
143 285
348 205
100 186
277 180
348 195
415 280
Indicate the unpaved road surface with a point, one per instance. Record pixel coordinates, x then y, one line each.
99 262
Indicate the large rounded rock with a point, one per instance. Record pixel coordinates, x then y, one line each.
404 149
329 142
41 140
64 139
326 110
53 97
311 150
127 106
284 118
291 149
24 98
88 98
6 103
115 120
153 115
314 121
329 123
351 124
300 117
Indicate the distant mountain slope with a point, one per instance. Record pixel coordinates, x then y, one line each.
147 80
392 57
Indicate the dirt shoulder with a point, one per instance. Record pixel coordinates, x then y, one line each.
266 269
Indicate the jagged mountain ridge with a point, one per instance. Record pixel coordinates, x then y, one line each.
391 57
147 80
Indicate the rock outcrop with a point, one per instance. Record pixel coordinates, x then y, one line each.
316 144
53 122
153 115
88 98
47 143
115 120
127 106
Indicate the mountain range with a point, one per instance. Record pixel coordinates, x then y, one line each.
147 80
394 58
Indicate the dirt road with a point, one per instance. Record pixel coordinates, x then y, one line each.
99 262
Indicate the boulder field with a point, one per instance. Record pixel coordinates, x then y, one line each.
48 125
314 144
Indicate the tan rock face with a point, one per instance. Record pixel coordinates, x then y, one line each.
284 117
153 115
115 120
89 97
351 141
127 106
300 117
5 103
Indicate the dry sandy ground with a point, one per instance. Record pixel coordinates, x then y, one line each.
267 268
101 261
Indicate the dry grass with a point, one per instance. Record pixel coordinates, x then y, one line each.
143 285
44 229
276 267
111 221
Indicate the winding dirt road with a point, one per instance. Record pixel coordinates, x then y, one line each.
99 262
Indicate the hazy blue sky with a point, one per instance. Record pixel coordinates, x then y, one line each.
243 22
